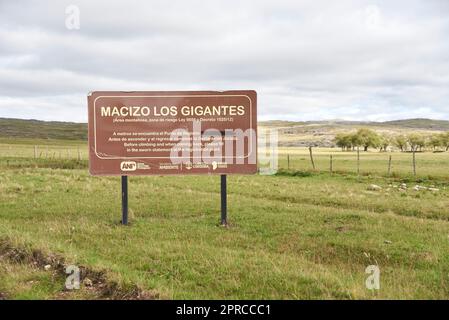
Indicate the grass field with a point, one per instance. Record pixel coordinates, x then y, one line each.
301 234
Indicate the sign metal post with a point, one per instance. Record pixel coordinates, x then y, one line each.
124 200
224 204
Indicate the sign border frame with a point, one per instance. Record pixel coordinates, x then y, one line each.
169 96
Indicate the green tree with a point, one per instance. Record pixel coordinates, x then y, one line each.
343 140
400 142
367 138
437 140
355 140
445 140
384 142
416 141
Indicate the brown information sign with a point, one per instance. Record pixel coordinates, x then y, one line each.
175 132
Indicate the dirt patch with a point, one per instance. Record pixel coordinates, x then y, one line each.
342 229
94 281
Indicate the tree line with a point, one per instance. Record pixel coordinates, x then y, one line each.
367 138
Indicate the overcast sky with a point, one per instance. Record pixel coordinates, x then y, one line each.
308 60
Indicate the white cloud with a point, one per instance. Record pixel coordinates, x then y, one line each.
352 59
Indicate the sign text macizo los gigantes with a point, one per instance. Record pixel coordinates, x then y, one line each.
176 132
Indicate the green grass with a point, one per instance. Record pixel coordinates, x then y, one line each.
25 282
297 235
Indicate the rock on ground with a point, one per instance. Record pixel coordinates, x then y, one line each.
374 187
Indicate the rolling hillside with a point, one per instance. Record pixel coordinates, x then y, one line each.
423 124
18 128
322 133
291 133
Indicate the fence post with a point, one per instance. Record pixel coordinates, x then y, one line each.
311 158
358 160
288 161
414 163
331 165
389 165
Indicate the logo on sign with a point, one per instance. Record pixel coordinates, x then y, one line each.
128 166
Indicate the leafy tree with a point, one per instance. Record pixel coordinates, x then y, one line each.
367 138
343 140
384 142
437 140
400 142
445 140
355 140
416 141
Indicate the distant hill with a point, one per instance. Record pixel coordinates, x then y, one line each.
18 128
291 133
418 123
322 133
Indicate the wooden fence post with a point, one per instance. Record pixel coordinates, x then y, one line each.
389 165
330 165
414 163
311 158
288 161
358 160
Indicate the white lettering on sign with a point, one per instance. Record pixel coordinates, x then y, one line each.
144 111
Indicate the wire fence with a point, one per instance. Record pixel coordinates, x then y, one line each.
44 151
333 161
419 164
